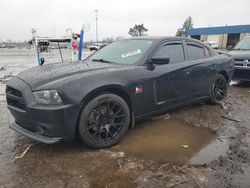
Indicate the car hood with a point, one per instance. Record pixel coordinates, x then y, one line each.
240 54
40 75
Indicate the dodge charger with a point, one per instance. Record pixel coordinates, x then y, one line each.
98 99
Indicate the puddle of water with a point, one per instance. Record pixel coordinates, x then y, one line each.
210 152
172 141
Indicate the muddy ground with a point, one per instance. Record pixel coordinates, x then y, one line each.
194 146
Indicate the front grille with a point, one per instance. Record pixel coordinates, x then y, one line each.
242 74
15 98
242 63
240 59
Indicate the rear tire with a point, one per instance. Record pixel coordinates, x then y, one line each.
219 89
104 121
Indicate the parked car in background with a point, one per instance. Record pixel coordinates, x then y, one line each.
98 99
241 55
97 46
214 45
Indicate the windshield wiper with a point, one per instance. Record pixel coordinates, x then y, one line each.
102 60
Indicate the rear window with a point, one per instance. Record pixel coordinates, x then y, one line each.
196 51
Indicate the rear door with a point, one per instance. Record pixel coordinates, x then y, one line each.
200 70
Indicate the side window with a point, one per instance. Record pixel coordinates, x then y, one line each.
172 50
196 51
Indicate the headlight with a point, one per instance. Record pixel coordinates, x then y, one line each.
47 97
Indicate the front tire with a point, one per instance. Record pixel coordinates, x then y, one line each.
219 89
104 121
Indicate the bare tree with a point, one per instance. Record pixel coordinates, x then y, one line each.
108 39
119 38
188 24
137 30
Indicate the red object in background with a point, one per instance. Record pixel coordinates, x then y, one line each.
75 45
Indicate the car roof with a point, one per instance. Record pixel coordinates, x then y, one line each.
160 38
153 37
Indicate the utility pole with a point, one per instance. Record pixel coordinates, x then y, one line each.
54 32
96 25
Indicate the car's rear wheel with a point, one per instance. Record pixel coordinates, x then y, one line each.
104 121
219 89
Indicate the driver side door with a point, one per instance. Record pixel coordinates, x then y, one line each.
170 85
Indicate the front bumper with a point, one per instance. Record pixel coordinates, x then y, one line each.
241 74
45 123
33 135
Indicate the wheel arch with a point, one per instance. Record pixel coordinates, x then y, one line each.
224 73
114 89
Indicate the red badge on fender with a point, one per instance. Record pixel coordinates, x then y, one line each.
138 90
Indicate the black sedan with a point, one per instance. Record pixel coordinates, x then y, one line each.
241 55
99 98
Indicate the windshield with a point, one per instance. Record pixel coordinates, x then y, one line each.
244 44
122 52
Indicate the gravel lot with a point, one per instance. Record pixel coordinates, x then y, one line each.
194 146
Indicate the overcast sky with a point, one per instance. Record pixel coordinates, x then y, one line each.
161 17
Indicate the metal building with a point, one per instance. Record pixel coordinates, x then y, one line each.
224 35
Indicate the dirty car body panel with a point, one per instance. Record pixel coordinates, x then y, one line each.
183 80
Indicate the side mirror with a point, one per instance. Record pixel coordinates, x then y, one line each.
229 47
159 60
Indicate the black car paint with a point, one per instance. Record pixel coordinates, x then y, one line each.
164 87
242 73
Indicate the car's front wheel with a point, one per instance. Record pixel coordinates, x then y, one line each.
219 89
104 121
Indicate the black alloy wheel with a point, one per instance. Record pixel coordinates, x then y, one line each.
219 89
104 121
